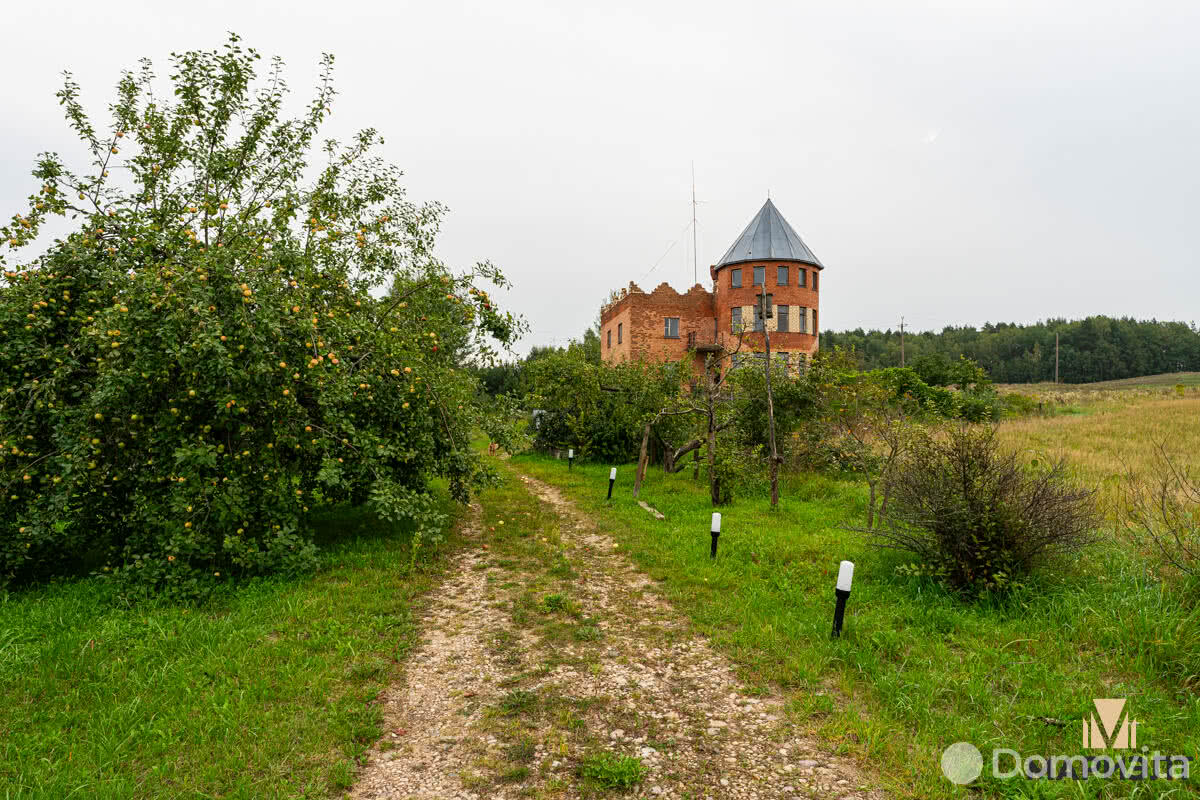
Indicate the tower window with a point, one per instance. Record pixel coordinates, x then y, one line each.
620 332
760 276
781 277
735 279
671 327
801 319
782 314
815 273
610 338
801 273
758 309
736 321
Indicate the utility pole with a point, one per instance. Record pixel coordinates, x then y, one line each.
1056 357
695 270
902 340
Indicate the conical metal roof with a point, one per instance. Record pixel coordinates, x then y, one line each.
769 237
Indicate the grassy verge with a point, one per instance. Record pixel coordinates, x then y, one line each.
916 670
265 693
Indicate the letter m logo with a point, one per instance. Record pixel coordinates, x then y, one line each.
1105 728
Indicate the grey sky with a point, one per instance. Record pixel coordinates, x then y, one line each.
953 162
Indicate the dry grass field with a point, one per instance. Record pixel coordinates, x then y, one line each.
1108 433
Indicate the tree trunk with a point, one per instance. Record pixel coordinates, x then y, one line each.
642 458
770 406
714 482
696 464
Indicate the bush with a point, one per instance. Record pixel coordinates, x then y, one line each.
1161 511
976 517
212 351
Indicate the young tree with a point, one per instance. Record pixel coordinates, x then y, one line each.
212 349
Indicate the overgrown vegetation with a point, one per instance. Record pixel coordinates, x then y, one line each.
222 343
977 518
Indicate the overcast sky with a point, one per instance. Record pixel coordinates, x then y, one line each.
954 162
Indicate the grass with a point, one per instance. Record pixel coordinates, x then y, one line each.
915 669
606 770
268 692
1104 446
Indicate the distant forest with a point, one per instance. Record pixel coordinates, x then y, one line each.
1092 349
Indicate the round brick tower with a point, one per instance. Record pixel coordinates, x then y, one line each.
770 257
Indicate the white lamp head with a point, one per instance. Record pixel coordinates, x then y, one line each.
571 453
845 576
716 522
612 474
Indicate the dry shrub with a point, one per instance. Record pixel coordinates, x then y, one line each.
976 516
1161 510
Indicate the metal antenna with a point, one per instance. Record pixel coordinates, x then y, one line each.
695 269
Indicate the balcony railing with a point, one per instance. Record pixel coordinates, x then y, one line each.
703 343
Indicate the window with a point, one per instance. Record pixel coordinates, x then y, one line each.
781 276
736 322
735 279
815 273
801 273
814 330
782 313
671 327
801 321
758 318
781 360
620 332
610 338
760 276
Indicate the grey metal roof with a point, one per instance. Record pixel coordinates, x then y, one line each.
769 237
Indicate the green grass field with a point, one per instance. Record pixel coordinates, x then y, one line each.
264 693
916 670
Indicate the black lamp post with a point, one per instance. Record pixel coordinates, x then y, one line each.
612 478
716 532
570 458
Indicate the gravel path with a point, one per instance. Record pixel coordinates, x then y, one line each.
552 652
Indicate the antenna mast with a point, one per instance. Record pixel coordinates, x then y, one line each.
695 269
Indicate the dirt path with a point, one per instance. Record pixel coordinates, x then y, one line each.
551 668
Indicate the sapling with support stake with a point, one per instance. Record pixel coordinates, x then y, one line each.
766 312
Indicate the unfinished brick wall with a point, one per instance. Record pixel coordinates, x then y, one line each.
642 316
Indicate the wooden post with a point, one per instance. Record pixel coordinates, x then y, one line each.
641 468
770 404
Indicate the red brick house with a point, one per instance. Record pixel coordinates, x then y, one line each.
769 256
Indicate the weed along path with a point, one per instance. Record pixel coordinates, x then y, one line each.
551 668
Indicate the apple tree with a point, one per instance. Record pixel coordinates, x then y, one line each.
239 321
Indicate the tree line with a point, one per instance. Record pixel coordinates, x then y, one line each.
1097 348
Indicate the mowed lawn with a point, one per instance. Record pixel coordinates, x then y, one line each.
916 669
267 692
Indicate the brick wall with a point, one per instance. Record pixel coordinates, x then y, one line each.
791 295
641 315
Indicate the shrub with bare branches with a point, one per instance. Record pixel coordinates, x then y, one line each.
976 516
1161 511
